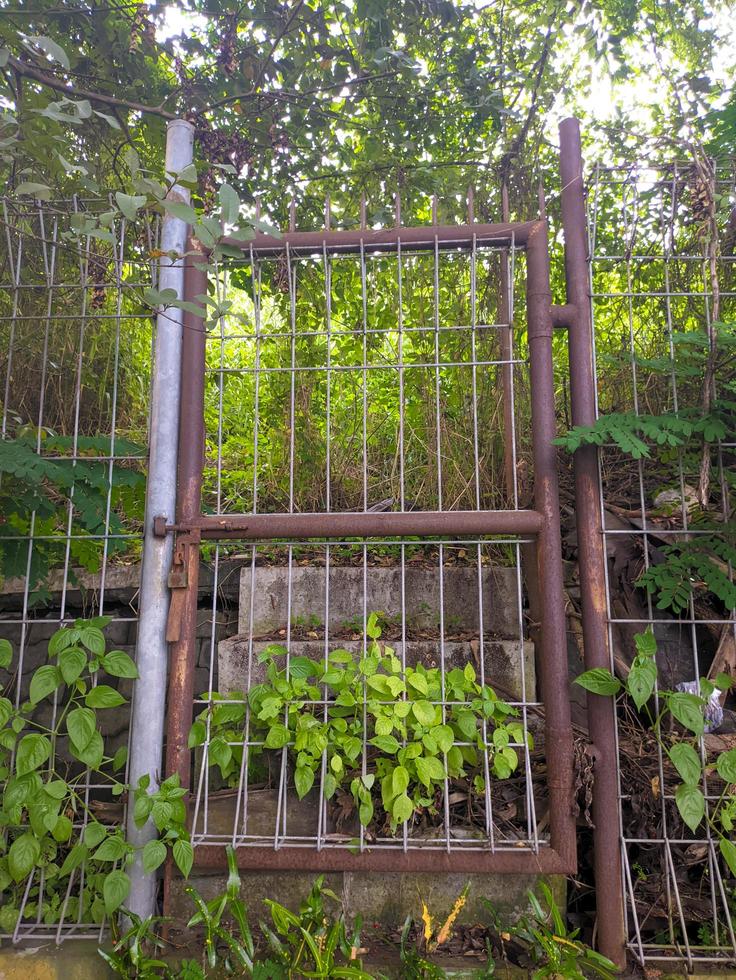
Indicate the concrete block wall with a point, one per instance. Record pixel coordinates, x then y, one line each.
121 634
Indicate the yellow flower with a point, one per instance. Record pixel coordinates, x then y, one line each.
444 933
427 920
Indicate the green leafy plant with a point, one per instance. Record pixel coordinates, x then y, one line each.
632 433
705 559
636 434
165 807
417 729
225 950
131 954
35 489
690 711
700 563
313 942
234 952
553 949
47 821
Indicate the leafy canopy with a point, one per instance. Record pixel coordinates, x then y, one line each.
284 92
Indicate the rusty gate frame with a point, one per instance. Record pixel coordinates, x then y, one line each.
542 523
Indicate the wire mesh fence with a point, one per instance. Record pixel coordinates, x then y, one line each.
347 381
663 299
368 383
363 384
75 355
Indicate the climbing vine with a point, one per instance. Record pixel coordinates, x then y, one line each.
51 749
667 714
416 731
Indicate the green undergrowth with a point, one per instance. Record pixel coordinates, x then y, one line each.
388 734
317 941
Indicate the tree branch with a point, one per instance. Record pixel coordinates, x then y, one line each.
29 71
277 40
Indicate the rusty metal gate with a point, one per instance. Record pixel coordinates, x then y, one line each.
315 317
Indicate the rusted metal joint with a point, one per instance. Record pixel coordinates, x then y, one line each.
178 576
160 527
183 573
563 315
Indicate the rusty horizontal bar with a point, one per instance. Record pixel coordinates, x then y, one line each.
387 239
563 316
257 858
362 525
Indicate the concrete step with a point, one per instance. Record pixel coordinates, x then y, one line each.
508 664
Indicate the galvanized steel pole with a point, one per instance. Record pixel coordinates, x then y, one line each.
591 552
149 697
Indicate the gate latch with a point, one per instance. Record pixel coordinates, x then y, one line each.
178 580
179 573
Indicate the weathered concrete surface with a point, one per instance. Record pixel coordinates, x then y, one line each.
382 899
502 660
262 815
121 586
421 590
459 967
76 959
79 960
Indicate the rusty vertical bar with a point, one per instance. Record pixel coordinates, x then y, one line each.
506 346
553 655
183 614
591 554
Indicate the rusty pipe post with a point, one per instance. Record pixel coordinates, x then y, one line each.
591 551
507 348
552 633
183 614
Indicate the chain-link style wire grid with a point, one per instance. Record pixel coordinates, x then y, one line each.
657 296
75 358
355 383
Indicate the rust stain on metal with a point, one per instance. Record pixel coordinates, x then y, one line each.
553 629
254 858
591 553
359 524
183 616
387 239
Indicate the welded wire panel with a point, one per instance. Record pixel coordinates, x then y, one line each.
75 367
663 295
444 621
343 382
357 383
